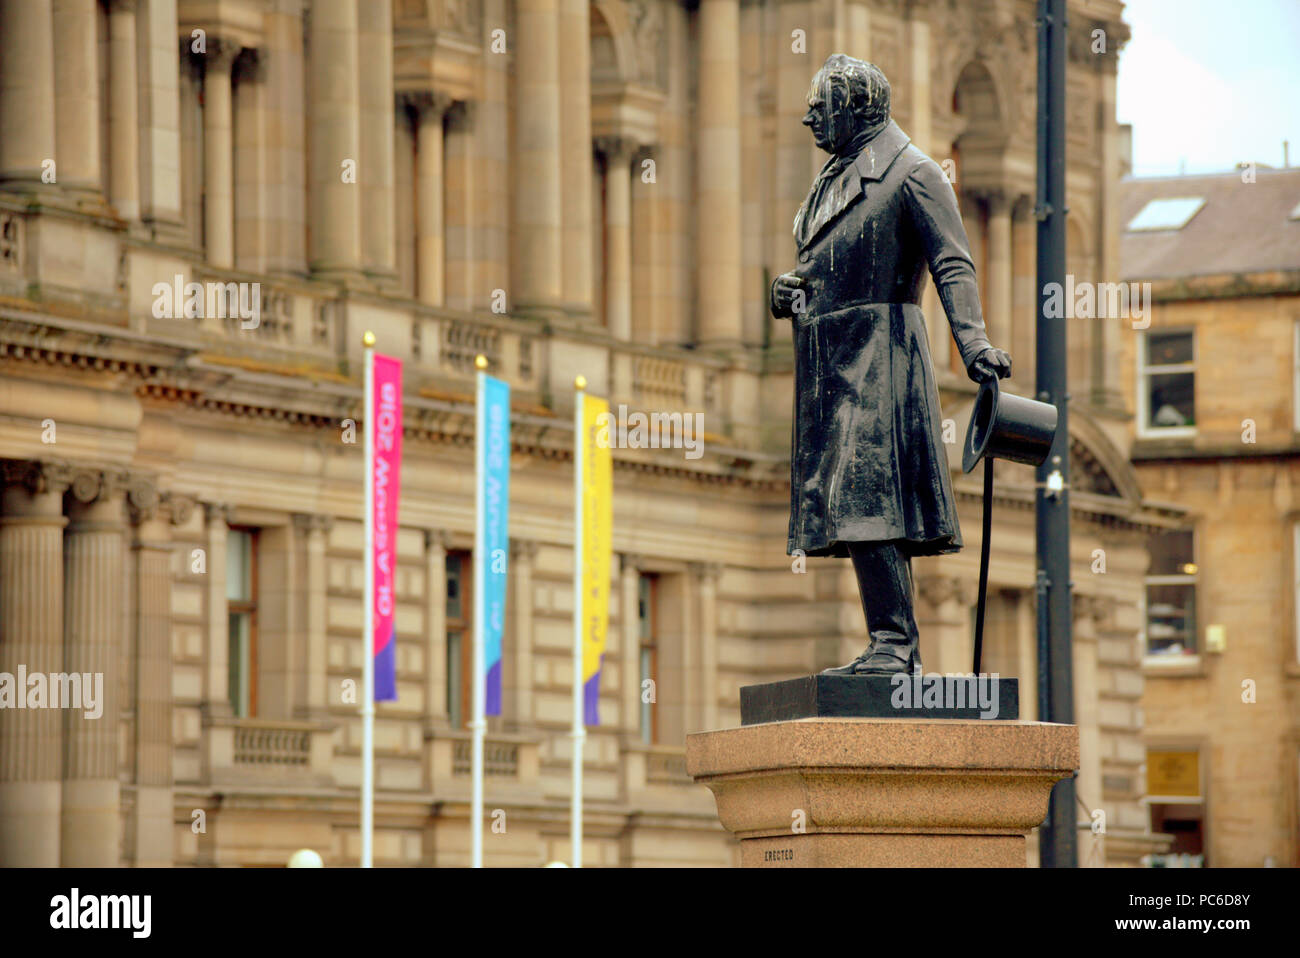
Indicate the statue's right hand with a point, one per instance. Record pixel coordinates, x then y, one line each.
789 295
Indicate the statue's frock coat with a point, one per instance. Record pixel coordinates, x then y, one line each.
868 461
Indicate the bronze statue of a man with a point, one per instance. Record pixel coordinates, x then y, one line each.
869 475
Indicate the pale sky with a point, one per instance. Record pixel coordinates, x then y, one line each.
1210 84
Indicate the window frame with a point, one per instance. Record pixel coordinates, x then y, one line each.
1295 375
648 735
1295 582
1144 374
248 607
464 625
1194 579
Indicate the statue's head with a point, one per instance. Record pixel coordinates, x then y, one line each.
846 97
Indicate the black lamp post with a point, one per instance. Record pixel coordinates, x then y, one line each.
1057 835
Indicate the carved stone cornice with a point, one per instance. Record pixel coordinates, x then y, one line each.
422 102
308 522
438 538
219 53
707 573
213 511
997 198
142 500
1099 608
524 549
90 485
936 590
39 476
616 149
1082 45
461 115
249 65
177 507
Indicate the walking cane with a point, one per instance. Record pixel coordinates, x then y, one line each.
1002 426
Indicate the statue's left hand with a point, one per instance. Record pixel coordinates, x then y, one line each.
989 363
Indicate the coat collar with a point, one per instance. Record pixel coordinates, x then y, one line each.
872 163
878 155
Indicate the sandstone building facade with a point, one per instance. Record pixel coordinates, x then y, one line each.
1215 380
567 187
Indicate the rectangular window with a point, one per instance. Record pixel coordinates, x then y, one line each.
1295 575
460 639
1167 383
1176 801
1295 377
647 630
241 609
1171 595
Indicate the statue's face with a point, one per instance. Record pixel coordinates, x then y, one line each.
827 117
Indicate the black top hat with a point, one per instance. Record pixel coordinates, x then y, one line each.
1004 426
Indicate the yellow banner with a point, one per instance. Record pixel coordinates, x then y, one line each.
597 544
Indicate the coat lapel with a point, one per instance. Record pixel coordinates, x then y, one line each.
872 164
878 156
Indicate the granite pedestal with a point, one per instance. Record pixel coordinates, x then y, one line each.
883 792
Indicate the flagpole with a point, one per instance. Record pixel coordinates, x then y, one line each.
478 725
579 727
368 617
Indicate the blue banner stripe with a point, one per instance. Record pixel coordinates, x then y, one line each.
495 532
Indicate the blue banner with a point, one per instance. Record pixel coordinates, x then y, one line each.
493 532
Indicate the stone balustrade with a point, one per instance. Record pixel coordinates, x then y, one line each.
654 776
510 761
267 752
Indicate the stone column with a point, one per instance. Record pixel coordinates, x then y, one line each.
216 683
942 610
537 166
479 139
717 151
151 550
334 132
709 575
159 107
519 690
92 646
375 52
27 129
1088 715
313 699
997 312
1105 356
575 152
630 628
1023 296
218 153
918 42
76 95
252 209
704 703
618 235
430 264
461 166
435 628
286 138
31 644
123 111
646 292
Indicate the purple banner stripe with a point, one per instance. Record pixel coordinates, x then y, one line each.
590 700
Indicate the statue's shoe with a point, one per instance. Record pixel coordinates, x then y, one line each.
885 662
856 667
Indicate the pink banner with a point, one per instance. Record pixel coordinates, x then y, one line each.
386 462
